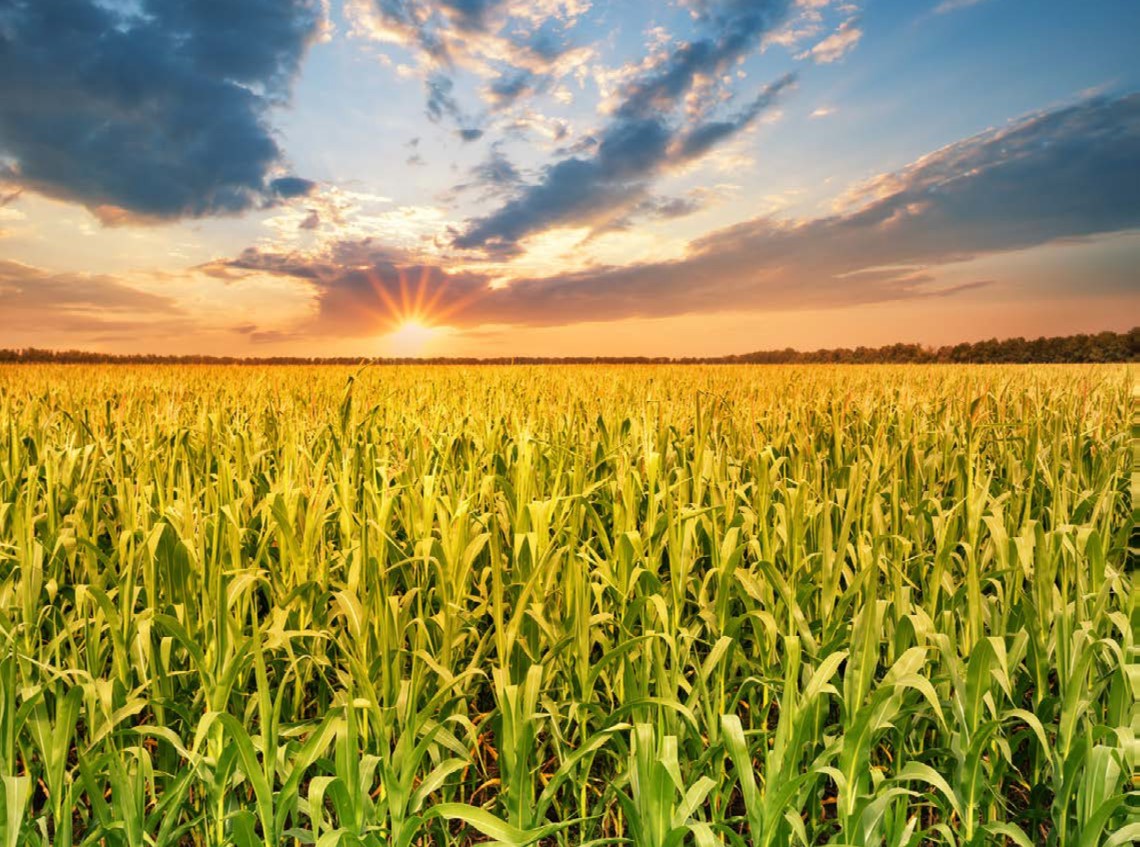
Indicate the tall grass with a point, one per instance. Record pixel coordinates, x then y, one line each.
257 606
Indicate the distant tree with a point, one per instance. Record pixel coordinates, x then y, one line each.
1102 347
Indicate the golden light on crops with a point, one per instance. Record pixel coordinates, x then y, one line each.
779 595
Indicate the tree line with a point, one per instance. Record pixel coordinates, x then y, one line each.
1098 347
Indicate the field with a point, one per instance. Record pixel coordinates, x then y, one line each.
567 606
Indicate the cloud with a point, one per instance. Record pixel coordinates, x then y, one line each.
289 187
312 221
414 158
157 108
596 191
734 28
517 47
434 26
442 103
440 100
78 303
578 190
659 209
669 208
954 5
642 139
837 45
509 87
702 138
361 287
495 176
1062 174
523 33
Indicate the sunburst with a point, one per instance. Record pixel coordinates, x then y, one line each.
413 313
411 336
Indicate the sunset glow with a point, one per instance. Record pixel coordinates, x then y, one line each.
411 337
564 177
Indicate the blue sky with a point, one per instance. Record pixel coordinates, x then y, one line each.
490 177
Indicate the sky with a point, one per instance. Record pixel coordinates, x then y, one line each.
564 177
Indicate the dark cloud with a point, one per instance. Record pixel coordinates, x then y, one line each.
413 19
584 145
602 189
1070 173
578 189
289 187
655 208
677 207
497 171
440 100
282 264
510 86
441 103
545 43
703 137
160 111
670 208
469 14
641 140
735 26
493 178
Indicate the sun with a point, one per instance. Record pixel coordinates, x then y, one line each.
410 336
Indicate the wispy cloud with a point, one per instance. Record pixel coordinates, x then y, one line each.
644 136
81 303
517 47
837 45
954 5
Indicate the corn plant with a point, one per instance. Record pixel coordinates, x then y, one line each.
713 605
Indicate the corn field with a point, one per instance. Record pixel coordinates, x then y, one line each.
568 606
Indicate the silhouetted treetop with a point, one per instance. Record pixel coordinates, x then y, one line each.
1101 347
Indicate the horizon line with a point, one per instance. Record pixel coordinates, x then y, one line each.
1116 347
